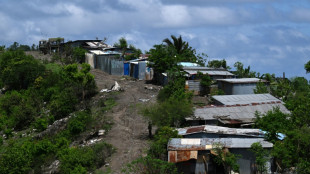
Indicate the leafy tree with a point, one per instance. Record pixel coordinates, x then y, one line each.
243 72
70 55
17 158
224 158
135 53
79 123
205 83
281 88
218 64
178 43
165 57
122 44
76 159
273 122
16 46
261 157
33 47
84 80
300 84
158 148
307 67
18 70
168 113
149 165
261 88
17 109
2 48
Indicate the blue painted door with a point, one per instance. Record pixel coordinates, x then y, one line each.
126 69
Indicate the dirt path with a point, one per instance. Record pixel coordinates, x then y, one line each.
129 134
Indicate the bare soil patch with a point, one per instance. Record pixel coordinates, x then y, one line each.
129 134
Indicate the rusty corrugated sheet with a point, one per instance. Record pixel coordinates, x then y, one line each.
180 156
195 129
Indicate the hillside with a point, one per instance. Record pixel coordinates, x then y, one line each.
129 133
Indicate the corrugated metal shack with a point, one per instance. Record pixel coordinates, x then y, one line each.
138 69
194 155
191 71
238 86
232 115
244 99
211 131
110 63
214 73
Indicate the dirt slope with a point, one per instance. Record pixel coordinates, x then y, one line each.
129 134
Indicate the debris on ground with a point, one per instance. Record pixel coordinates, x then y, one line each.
116 87
105 90
144 100
101 132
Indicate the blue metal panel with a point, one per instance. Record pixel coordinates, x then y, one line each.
136 71
126 69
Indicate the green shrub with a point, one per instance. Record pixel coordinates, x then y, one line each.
149 165
158 148
79 123
71 158
17 158
63 103
171 112
41 124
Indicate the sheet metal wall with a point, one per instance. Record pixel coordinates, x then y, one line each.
109 64
236 88
90 59
142 70
193 85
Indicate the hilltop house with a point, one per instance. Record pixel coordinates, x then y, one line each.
238 86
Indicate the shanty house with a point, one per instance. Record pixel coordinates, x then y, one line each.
138 69
237 115
195 155
238 86
214 73
244 99
192 69
211 131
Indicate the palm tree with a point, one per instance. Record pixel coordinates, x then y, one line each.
177 43
122 43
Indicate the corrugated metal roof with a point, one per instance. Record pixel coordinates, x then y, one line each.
98 52
187 64
244 113
210 72
202 68
245 99
242 80
220 130
210 143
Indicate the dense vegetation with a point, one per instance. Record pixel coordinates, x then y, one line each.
34 96
292 150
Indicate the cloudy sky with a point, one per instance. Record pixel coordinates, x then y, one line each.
269 35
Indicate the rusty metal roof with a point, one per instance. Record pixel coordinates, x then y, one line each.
245 99
244 113
220 130
176 144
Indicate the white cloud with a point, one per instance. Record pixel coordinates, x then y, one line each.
175 16
214 15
